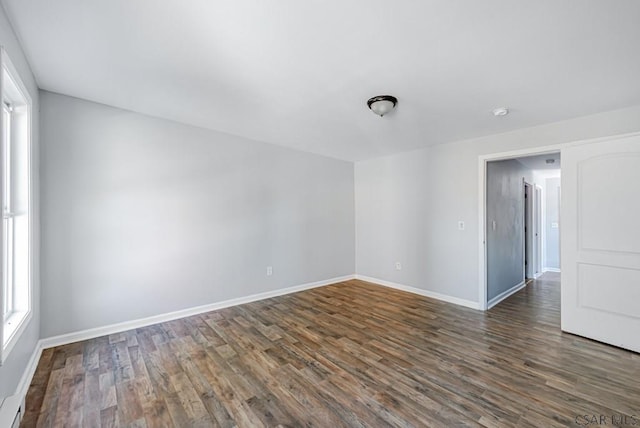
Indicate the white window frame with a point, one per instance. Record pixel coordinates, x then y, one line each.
7 298
15 324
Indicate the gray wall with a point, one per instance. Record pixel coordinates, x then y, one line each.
142 216
552 215
408 205
505 244
15 365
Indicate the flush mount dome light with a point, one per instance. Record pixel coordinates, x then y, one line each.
382 104
501 111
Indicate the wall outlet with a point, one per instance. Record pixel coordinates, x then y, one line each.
398 266
269 270
461 225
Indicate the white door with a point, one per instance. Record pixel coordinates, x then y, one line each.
600 253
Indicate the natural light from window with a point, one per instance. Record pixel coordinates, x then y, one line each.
16 219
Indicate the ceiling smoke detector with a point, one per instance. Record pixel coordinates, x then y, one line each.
501 111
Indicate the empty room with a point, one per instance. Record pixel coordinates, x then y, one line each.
327 214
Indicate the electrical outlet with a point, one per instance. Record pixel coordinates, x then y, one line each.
398 266
269 270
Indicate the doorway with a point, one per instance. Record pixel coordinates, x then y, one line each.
515 219
537 242
532 230
600 274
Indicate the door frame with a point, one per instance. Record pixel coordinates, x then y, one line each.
482 209
529 231
482 201
537 243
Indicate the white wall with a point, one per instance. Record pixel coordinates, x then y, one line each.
552 215
408 205
143 216
14 367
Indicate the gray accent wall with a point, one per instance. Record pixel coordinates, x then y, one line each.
505 211
15 365
143 216
552 215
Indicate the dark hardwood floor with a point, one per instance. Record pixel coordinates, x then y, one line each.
349 354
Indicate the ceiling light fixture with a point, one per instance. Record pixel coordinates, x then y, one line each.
382 104
502 111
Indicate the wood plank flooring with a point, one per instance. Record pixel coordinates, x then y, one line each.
349 354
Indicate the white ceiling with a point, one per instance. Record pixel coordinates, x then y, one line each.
298 73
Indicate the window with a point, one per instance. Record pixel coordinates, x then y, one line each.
15 191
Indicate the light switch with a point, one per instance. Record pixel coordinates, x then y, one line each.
461 225
493 224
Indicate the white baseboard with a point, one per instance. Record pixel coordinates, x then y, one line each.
443 297
550 269
11 405
25 380
91 333
500 297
